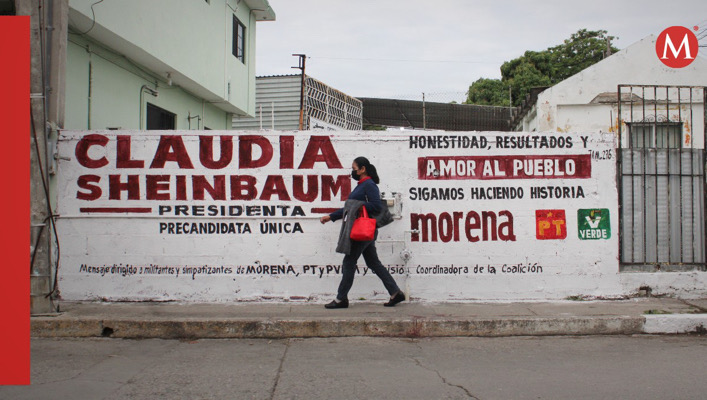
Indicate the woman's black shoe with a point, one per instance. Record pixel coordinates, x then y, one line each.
400 296
335 304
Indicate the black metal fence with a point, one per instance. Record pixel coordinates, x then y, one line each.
661 177
412 114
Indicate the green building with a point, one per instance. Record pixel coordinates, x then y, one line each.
159 64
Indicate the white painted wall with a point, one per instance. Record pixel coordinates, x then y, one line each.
450 268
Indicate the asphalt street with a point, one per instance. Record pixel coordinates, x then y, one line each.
588 367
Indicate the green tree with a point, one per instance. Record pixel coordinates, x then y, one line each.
542 68
581 50
542 61
488 92
525 77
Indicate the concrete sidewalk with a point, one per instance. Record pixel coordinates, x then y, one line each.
408 319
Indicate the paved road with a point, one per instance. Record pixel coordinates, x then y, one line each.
606 367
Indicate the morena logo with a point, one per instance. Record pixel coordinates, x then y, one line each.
677 47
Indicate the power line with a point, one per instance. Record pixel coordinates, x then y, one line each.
404 60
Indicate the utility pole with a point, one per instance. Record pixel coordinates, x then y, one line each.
424 112
510 100
301 66
48 41
608 47
510 107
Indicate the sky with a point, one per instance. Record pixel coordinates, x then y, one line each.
403 48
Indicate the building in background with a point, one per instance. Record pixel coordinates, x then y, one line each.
158 64
587 101
655 116
280 98
390 113
129 64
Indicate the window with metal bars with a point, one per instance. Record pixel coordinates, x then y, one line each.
661 135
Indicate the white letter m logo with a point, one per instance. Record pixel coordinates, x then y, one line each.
685 43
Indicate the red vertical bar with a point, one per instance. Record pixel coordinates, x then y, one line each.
14 162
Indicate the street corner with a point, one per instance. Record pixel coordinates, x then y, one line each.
675 324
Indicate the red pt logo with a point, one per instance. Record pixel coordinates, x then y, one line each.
550 224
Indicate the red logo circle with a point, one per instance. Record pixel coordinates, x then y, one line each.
676 47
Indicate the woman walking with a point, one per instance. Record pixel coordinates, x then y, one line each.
366 194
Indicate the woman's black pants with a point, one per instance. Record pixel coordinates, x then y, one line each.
368 250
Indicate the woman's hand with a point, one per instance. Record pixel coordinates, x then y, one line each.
325 219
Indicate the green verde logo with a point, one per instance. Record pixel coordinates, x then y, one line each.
594 223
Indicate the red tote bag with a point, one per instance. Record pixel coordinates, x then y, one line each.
364 228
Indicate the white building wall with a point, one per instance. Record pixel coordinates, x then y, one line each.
141 240
558 107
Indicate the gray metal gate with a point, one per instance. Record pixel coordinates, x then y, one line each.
661 177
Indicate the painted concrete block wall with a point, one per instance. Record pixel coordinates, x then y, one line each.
594 118
692 117
223 216
155 31
115 99
605 118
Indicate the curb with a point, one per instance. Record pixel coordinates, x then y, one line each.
48 327
675 324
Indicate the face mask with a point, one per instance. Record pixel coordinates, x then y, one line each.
354 175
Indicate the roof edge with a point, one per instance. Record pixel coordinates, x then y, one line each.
261 9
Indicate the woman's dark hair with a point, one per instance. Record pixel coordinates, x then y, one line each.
370 168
